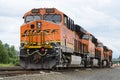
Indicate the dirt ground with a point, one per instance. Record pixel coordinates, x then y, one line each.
77 74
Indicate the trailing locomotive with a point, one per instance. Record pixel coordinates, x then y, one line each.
49 38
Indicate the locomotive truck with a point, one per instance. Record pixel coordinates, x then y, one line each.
50 39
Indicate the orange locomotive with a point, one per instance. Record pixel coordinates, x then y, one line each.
107 56
95 53
49 39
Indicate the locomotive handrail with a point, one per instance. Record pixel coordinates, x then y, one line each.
37 51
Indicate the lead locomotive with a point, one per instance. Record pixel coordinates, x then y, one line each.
49 38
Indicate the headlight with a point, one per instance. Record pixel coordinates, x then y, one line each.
47 42
39 24
22 44
25 43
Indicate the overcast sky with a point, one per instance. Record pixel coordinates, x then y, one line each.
100 17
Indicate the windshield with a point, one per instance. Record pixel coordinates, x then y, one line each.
56 18
33 18
85 37
100 45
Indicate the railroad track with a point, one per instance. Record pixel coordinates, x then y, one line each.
17 70
15 73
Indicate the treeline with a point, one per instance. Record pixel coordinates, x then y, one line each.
8 54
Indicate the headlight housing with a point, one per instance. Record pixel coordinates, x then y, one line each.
39 24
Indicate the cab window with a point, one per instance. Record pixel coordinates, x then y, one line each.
56 18
32 18
86 37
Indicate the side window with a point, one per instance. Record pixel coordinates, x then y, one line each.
65 20
69 23
90 37
73 26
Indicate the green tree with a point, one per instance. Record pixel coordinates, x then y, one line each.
8 54
4 58
13 58
13 52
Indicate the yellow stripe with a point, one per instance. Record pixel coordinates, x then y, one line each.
37 45
31 47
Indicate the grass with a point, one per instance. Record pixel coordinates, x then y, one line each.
6 65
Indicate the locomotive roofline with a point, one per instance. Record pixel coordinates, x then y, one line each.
30 12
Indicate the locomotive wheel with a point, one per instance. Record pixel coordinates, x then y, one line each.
110 64
85 63
104 63
100 64
23 62
23 58
91 62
